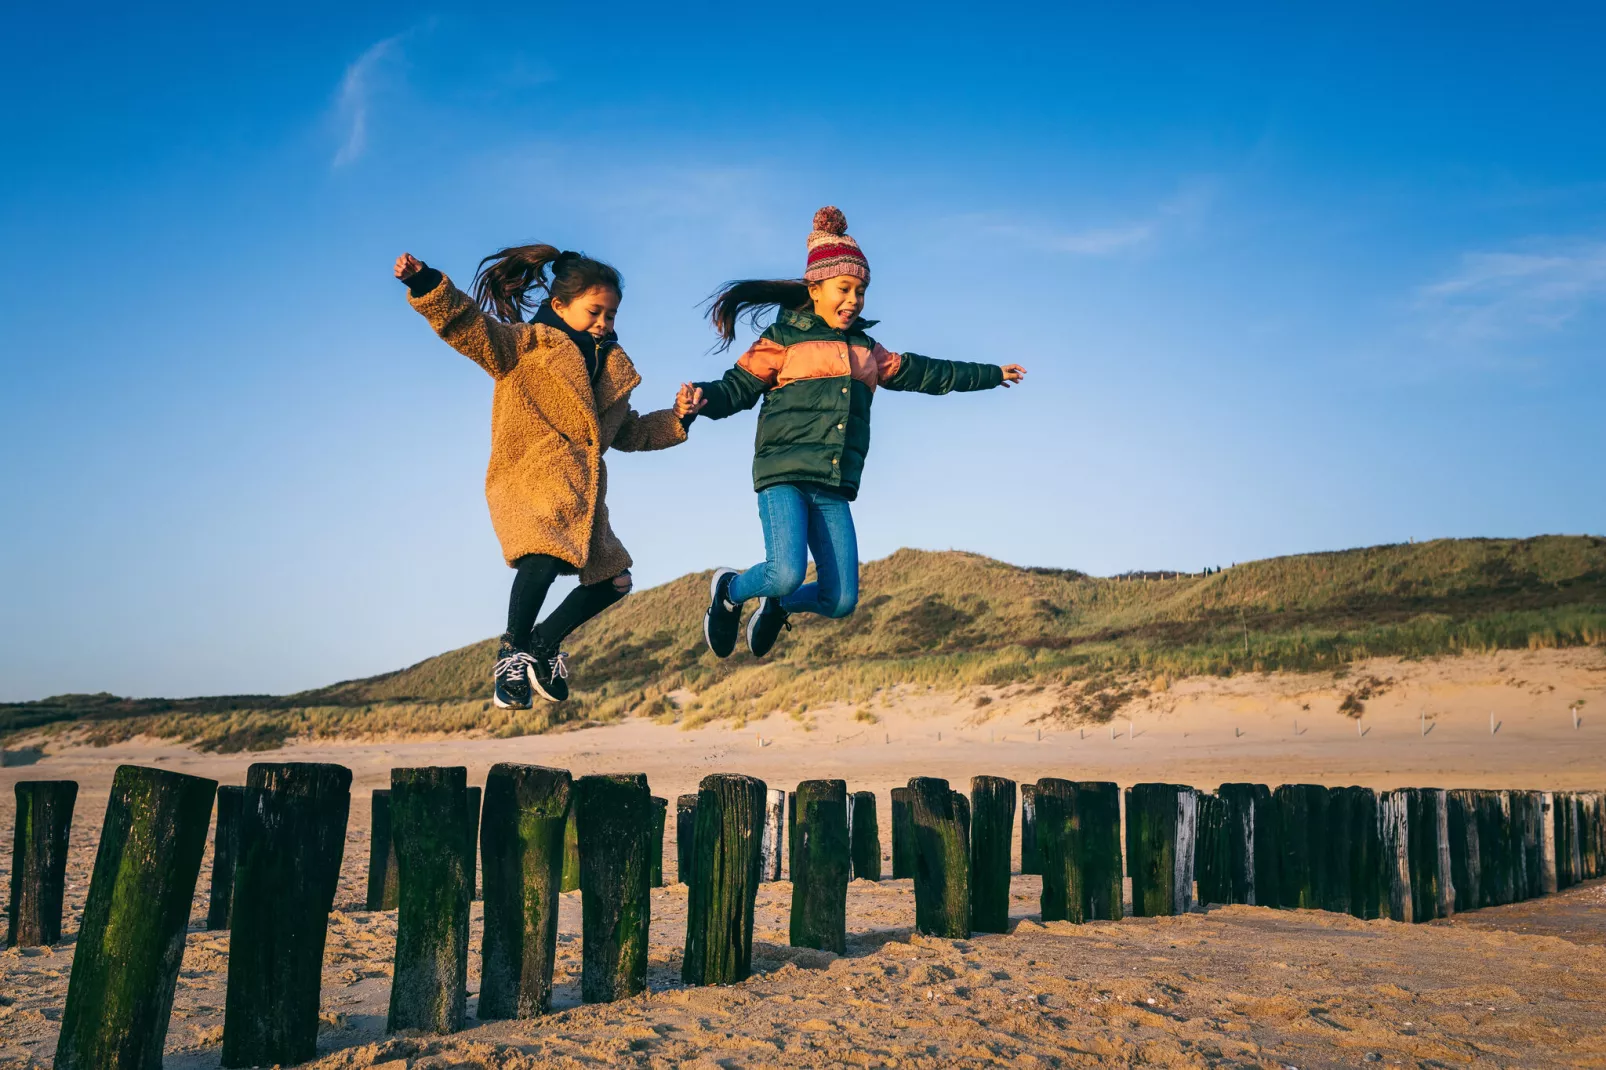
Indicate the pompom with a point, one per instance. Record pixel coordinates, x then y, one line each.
831 220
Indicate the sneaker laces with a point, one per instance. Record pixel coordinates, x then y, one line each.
560 666
514 663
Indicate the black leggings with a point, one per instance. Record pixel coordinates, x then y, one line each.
530 585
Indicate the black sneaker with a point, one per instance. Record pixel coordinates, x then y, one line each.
765 625
549 670
512 676
724 618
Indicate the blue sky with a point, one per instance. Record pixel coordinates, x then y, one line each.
1284 283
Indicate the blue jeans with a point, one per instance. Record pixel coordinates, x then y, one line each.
799 521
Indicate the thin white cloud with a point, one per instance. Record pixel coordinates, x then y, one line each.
1496 296
356 97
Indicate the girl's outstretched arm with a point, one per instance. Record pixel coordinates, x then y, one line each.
662 429
487 341
741 388
928 375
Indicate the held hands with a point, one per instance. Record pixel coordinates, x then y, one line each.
1013 373
408 265
689 401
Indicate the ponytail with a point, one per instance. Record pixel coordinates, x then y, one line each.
505 278
750 299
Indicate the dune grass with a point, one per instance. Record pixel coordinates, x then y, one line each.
950 620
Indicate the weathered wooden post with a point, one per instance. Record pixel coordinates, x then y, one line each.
473 834
791 836
382 871
429 818
820 866
1212 868
39 861
1254 857
1497 875
865 837
571 853
719 910
615 822
131 939
1079 833
1335 849
1430 854
774 821
942 859
1533 860
521 849
292 838
660 813
992 841
1161 820
685 837
1394 829
903 836
1465 853
1367 875
1302 817
1547 844
1031 855
225 851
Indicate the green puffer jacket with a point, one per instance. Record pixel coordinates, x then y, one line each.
817 384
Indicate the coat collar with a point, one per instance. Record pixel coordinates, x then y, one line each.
805 320
615 379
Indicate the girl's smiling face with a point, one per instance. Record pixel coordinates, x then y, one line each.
592 312
839 300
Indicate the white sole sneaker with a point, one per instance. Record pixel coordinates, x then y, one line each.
713 593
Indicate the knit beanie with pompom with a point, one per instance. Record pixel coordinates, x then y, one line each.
831 251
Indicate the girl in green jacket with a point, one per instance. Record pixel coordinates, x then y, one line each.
816 371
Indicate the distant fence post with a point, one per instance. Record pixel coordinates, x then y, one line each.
660 813
521 847
903 836
1031 857
685 837
942 859
383 881
1161 821
614 819
225 851
719 910
1079 840
292 838
774 823
866 837
820 866
39 861
131 939
992 839
429 818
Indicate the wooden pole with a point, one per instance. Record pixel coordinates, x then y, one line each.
131 938
1249 824
685 837
1031 857
865 839
225 850
522 832
660 813
1495 849
1368 886
1533 853
1547 844
429 818
614 816
1428 844
820 866
382 870
1302 817
774 822
1465 855
719 910
473 836
292 838
1079 833
571 853
903 836
942 860
1394 830
992 836
791 836
39 861
1161 820
1213 857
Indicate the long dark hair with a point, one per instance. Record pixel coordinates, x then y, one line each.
503 283
751 298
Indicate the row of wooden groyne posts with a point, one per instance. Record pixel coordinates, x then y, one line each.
1411 854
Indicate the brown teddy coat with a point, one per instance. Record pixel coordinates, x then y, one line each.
546 482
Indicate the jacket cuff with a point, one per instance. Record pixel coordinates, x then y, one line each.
686 421
423 281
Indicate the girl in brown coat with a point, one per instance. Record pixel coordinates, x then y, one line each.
562 399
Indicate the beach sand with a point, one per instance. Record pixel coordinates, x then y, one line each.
1522 985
